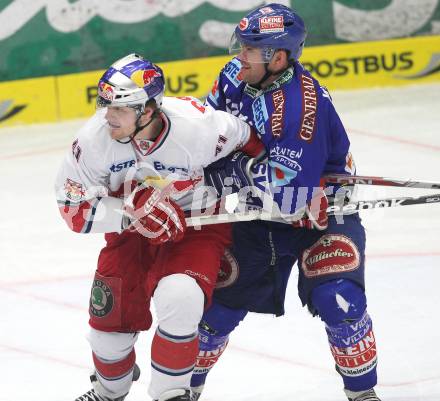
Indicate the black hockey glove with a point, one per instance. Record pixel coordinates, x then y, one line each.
231 172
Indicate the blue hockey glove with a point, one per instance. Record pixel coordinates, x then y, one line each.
230 172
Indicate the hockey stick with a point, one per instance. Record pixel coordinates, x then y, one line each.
168 187
369 180
349 208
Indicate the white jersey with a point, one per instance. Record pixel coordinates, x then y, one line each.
100 172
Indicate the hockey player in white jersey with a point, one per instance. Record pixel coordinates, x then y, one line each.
137 137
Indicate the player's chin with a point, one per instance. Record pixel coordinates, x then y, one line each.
251 78
246 74
117 133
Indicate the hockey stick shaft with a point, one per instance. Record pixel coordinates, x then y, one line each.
370 180
348 208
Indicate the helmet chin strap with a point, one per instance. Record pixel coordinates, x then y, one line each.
269 74
139 128
265 77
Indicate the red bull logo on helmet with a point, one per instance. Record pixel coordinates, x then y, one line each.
105 90
144 77
149 76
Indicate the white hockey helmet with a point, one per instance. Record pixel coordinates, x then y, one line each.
131 82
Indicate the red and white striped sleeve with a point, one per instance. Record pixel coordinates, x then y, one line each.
82 190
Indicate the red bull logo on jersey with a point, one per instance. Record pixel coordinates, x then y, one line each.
309 109
73 190
271 24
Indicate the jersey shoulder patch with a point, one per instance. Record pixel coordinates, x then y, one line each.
232 72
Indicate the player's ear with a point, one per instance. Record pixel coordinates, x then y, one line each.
280 59
149 110
147 114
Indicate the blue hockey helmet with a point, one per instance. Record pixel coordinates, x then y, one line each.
131 81
272 27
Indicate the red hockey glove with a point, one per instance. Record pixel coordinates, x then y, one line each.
158 219
315 213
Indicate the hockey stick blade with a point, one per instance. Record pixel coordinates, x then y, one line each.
370 180
348 208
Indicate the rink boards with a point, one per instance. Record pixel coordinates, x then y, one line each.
347 66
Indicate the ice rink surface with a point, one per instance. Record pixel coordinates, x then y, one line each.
46 274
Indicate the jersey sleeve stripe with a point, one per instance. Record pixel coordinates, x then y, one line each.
90 216
253 147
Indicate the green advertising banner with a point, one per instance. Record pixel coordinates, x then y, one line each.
52 37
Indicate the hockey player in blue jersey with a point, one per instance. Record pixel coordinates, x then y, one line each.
304 140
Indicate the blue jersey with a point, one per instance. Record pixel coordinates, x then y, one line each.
304 140
295 119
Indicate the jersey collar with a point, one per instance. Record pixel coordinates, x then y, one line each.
284 78
158 142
